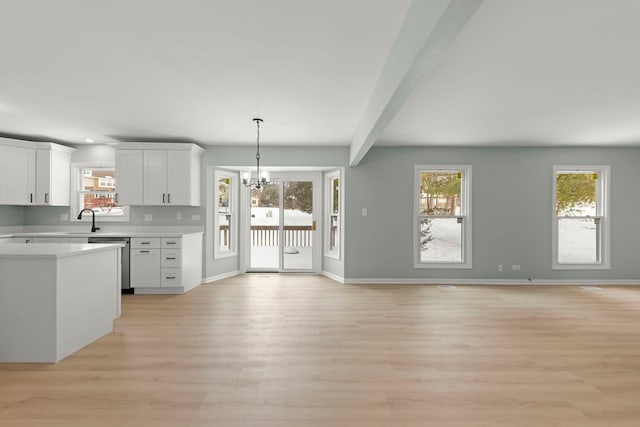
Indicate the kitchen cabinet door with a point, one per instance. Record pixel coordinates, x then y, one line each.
17 175
52 175
155 177
145 268
129 177
178 178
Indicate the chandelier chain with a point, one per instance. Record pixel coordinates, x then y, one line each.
261 180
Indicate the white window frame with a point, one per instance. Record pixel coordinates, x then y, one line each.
328 198
233 210
465 214
77 180
603 190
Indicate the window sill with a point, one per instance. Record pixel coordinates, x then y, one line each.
221 255
581 267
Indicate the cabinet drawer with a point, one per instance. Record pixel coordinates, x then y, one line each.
170 277
148 243
171 242
170 258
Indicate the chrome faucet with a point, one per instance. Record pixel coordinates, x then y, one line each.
93 219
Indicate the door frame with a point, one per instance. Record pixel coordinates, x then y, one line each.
245 211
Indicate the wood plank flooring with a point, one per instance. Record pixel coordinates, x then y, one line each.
271 350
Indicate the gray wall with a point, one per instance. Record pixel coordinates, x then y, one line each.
11 215
511 195
512 211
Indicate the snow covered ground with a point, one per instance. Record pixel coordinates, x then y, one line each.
266 257
577 241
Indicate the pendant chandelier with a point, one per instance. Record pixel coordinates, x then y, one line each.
262 179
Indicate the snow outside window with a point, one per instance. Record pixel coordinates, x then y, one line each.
442 223
95 188
225 208
581 217
333 208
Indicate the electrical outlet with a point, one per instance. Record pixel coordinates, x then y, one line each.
148 217
500 267
179 216
515 267
64 216
195 217
364 211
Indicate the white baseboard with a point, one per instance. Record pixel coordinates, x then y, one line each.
221 276
159 291
332 276
558 282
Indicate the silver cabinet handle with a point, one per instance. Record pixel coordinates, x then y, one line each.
46 197
171 243
168 198
30 197
144 252
170 277
170 257
116 198
145 243
163 198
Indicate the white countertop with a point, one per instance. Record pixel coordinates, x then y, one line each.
100 234
57 250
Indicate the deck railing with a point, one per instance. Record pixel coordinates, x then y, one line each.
268 235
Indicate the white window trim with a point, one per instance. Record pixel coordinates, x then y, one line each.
328 180
604 189
233 207
74 206
466 203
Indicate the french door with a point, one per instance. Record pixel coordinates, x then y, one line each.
282 224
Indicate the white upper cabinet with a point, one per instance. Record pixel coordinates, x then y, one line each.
155 177
34 173
17 174
129 177
169 175
53 174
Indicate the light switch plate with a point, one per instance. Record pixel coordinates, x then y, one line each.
364 211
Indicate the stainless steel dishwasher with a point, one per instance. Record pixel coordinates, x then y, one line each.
125 280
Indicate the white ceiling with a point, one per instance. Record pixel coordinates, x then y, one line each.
519 73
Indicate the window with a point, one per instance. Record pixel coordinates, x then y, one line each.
581 218
95 189
333 206
225 221
442 224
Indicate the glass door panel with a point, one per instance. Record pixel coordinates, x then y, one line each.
264 233
298 225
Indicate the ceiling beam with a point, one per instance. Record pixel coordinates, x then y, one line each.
428 28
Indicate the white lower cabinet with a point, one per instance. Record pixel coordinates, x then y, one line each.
145 262
168 264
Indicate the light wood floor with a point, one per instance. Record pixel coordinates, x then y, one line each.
269 350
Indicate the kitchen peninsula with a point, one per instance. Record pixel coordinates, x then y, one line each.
56 298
